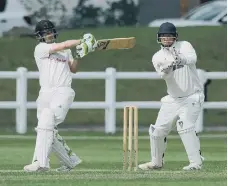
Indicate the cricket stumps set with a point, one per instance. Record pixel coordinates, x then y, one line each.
130 138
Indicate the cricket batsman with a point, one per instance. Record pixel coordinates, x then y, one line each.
55 64
175 62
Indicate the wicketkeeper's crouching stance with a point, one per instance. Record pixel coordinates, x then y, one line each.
55 64
175 63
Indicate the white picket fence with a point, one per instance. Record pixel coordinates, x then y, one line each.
110 105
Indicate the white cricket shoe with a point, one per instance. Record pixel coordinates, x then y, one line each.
192 166
34 167
75 161
149 166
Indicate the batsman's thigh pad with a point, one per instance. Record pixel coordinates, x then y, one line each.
43 102
46 120
44 139
61 103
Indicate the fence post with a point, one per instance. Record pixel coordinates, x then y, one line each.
21 98
199 122
110 99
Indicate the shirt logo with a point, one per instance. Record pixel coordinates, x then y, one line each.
58 58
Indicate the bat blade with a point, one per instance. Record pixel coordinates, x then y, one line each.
116 43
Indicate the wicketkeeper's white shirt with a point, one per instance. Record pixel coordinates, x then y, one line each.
53 68
183 80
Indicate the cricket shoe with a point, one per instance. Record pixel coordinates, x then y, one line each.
75 161
34 167
192 166
149 166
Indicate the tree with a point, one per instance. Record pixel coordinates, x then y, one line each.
53 10
124 12
86 16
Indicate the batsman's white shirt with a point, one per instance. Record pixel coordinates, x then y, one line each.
54 69
182 80
55 81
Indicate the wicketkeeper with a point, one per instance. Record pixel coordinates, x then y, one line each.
55 64
175 62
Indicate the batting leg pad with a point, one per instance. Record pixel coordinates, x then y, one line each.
192 145
158 144
62 151
34 154
44 139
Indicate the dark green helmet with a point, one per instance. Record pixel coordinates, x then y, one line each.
167 28
43 27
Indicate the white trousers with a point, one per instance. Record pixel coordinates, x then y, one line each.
58 100
52 107
181 111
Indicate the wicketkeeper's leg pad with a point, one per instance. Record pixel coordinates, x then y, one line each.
44 139
192 145
158 144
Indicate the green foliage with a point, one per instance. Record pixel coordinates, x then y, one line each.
120 13
42 9
128 11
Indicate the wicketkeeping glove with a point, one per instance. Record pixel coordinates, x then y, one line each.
177 57
167 69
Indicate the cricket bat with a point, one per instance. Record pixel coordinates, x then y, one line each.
116 43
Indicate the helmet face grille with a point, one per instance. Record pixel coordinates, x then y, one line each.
43 28
167 29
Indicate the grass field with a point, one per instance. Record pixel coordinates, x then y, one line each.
102 163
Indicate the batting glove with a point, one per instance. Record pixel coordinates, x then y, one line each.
91 42
82 50
88 44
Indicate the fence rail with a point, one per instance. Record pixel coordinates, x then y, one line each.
110 105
